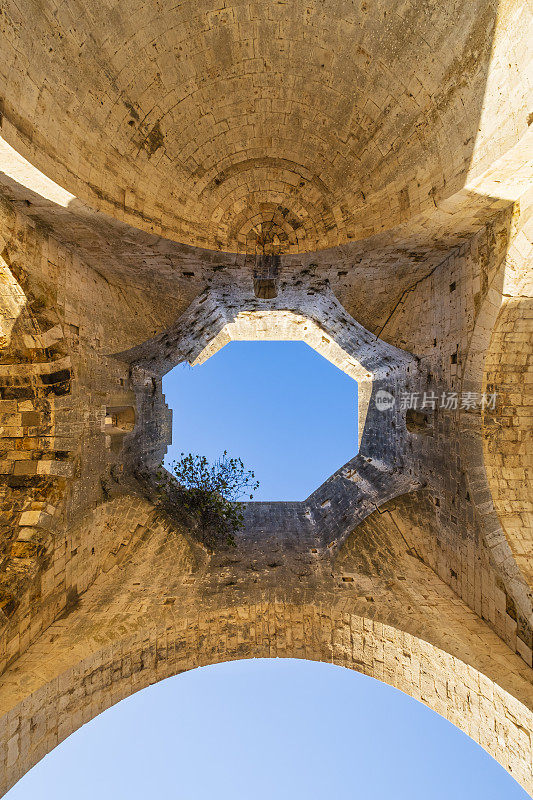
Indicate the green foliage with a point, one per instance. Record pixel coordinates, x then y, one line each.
212 493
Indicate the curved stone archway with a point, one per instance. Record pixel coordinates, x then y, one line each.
497 444
471 701
242 162
157 609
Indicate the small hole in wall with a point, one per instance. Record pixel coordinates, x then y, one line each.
453 358
452 286
265 288
416 421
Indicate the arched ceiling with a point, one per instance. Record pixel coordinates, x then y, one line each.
259 125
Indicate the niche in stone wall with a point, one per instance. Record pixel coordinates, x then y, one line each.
118 421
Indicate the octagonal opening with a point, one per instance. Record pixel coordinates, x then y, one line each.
285 410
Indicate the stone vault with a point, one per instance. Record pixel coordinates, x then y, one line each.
356 175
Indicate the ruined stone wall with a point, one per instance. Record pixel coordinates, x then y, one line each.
337 547
57 461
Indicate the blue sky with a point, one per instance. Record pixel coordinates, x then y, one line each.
286 411
268 729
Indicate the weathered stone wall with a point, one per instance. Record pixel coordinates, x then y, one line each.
105 524
158 608
57 463
442 320
380 151
508 430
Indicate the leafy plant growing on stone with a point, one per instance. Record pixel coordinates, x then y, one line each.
213 493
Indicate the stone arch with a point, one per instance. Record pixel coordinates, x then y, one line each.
391 183
159 607
48 709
